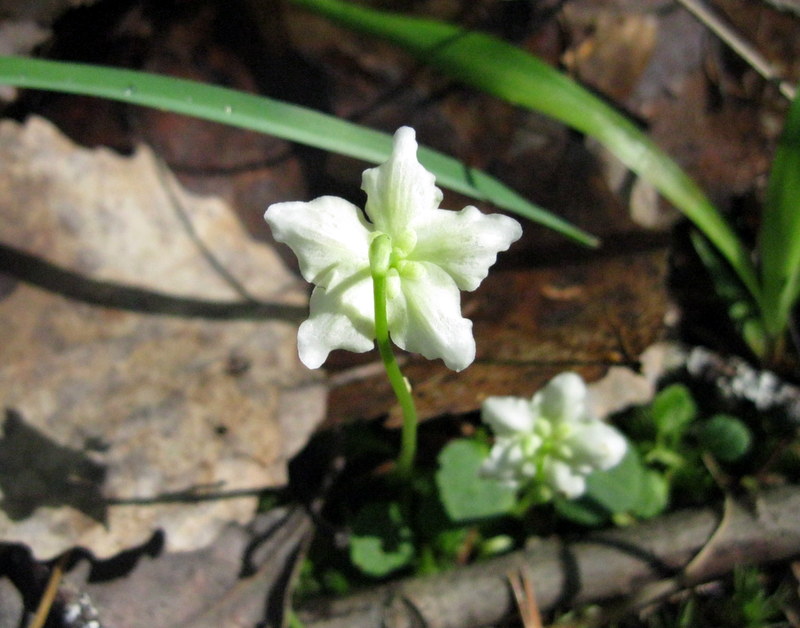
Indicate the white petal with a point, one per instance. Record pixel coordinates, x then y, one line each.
329 236
426 318
503 462
508 464
508 415
341 317
464 244
597 445
564 479
401 188
562 399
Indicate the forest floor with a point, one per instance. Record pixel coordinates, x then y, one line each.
548 306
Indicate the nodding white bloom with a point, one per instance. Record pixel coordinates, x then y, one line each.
551 439
434 254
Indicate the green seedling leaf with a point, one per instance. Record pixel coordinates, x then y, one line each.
628 488
653 495
380 541
505 71
619 489
672 410
726 437
751 605
742 310
583 511
430 518
466 495
270 116
779 239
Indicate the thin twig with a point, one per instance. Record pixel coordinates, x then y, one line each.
46 603
673 550
739 45
661 589
522 585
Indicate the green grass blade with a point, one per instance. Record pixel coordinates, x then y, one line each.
745 316
507 72
779 239
266 115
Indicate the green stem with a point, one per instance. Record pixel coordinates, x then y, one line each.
379 262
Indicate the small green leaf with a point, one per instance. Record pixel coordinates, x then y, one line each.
666 457
627 488
466 495
618 489
672 411
583 511
742 309
380 541
726 437
653 495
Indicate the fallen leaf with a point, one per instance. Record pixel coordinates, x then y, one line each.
43 11
132 420
239 580
530 325
614 50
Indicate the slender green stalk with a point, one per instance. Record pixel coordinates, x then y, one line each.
380 253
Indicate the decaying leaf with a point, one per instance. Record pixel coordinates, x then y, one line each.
239 580
615 53
530 325
147 353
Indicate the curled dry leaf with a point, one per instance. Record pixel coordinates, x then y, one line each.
158 360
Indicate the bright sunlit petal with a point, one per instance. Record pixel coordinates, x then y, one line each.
464 244
341 317
426 318
597 445
563 399
564 479
401 188
508 415
328 235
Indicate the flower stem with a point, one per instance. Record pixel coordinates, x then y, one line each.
400 386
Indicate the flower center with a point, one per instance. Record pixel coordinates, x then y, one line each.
402 246
388 258
551 436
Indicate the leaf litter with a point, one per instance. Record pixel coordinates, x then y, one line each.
108 409
549 294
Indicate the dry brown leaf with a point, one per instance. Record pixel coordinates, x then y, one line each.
239 580
615 53
42 11
107 403
531 325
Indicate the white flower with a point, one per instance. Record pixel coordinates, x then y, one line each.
551 438
434 254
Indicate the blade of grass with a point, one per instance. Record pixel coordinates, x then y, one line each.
509 73
746 318
266 115
779 239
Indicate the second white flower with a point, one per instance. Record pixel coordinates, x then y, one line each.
550 439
